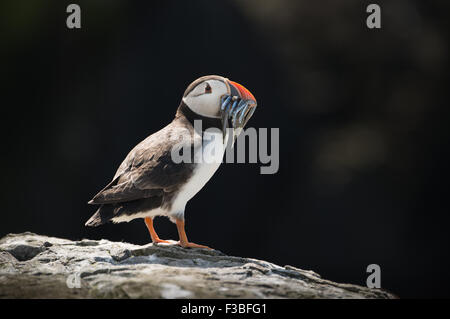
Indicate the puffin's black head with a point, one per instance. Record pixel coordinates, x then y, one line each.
217 97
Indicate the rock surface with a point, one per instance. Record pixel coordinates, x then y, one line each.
34 266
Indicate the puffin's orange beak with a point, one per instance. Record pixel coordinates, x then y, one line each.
238 106
243 92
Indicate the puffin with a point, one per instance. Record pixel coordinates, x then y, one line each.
152 182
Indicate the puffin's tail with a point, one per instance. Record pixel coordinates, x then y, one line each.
101 216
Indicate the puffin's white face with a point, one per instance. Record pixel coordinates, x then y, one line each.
217 97
204 98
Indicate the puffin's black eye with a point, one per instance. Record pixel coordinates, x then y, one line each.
208 88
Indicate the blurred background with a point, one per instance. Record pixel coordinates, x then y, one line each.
362 115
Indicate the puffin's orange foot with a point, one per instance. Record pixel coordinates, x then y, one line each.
160 241
153 234
184 242
192 245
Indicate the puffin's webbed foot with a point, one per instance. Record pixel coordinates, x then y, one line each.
160 241
153 234
192 245
183 238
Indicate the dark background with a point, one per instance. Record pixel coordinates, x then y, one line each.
362 114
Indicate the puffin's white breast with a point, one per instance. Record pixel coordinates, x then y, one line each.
211 153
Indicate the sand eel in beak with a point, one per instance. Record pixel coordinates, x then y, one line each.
150 183
238 106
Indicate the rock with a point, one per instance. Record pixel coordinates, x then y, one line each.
35 266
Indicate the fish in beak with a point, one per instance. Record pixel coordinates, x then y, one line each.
237 107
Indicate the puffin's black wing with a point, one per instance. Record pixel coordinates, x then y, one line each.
149 169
